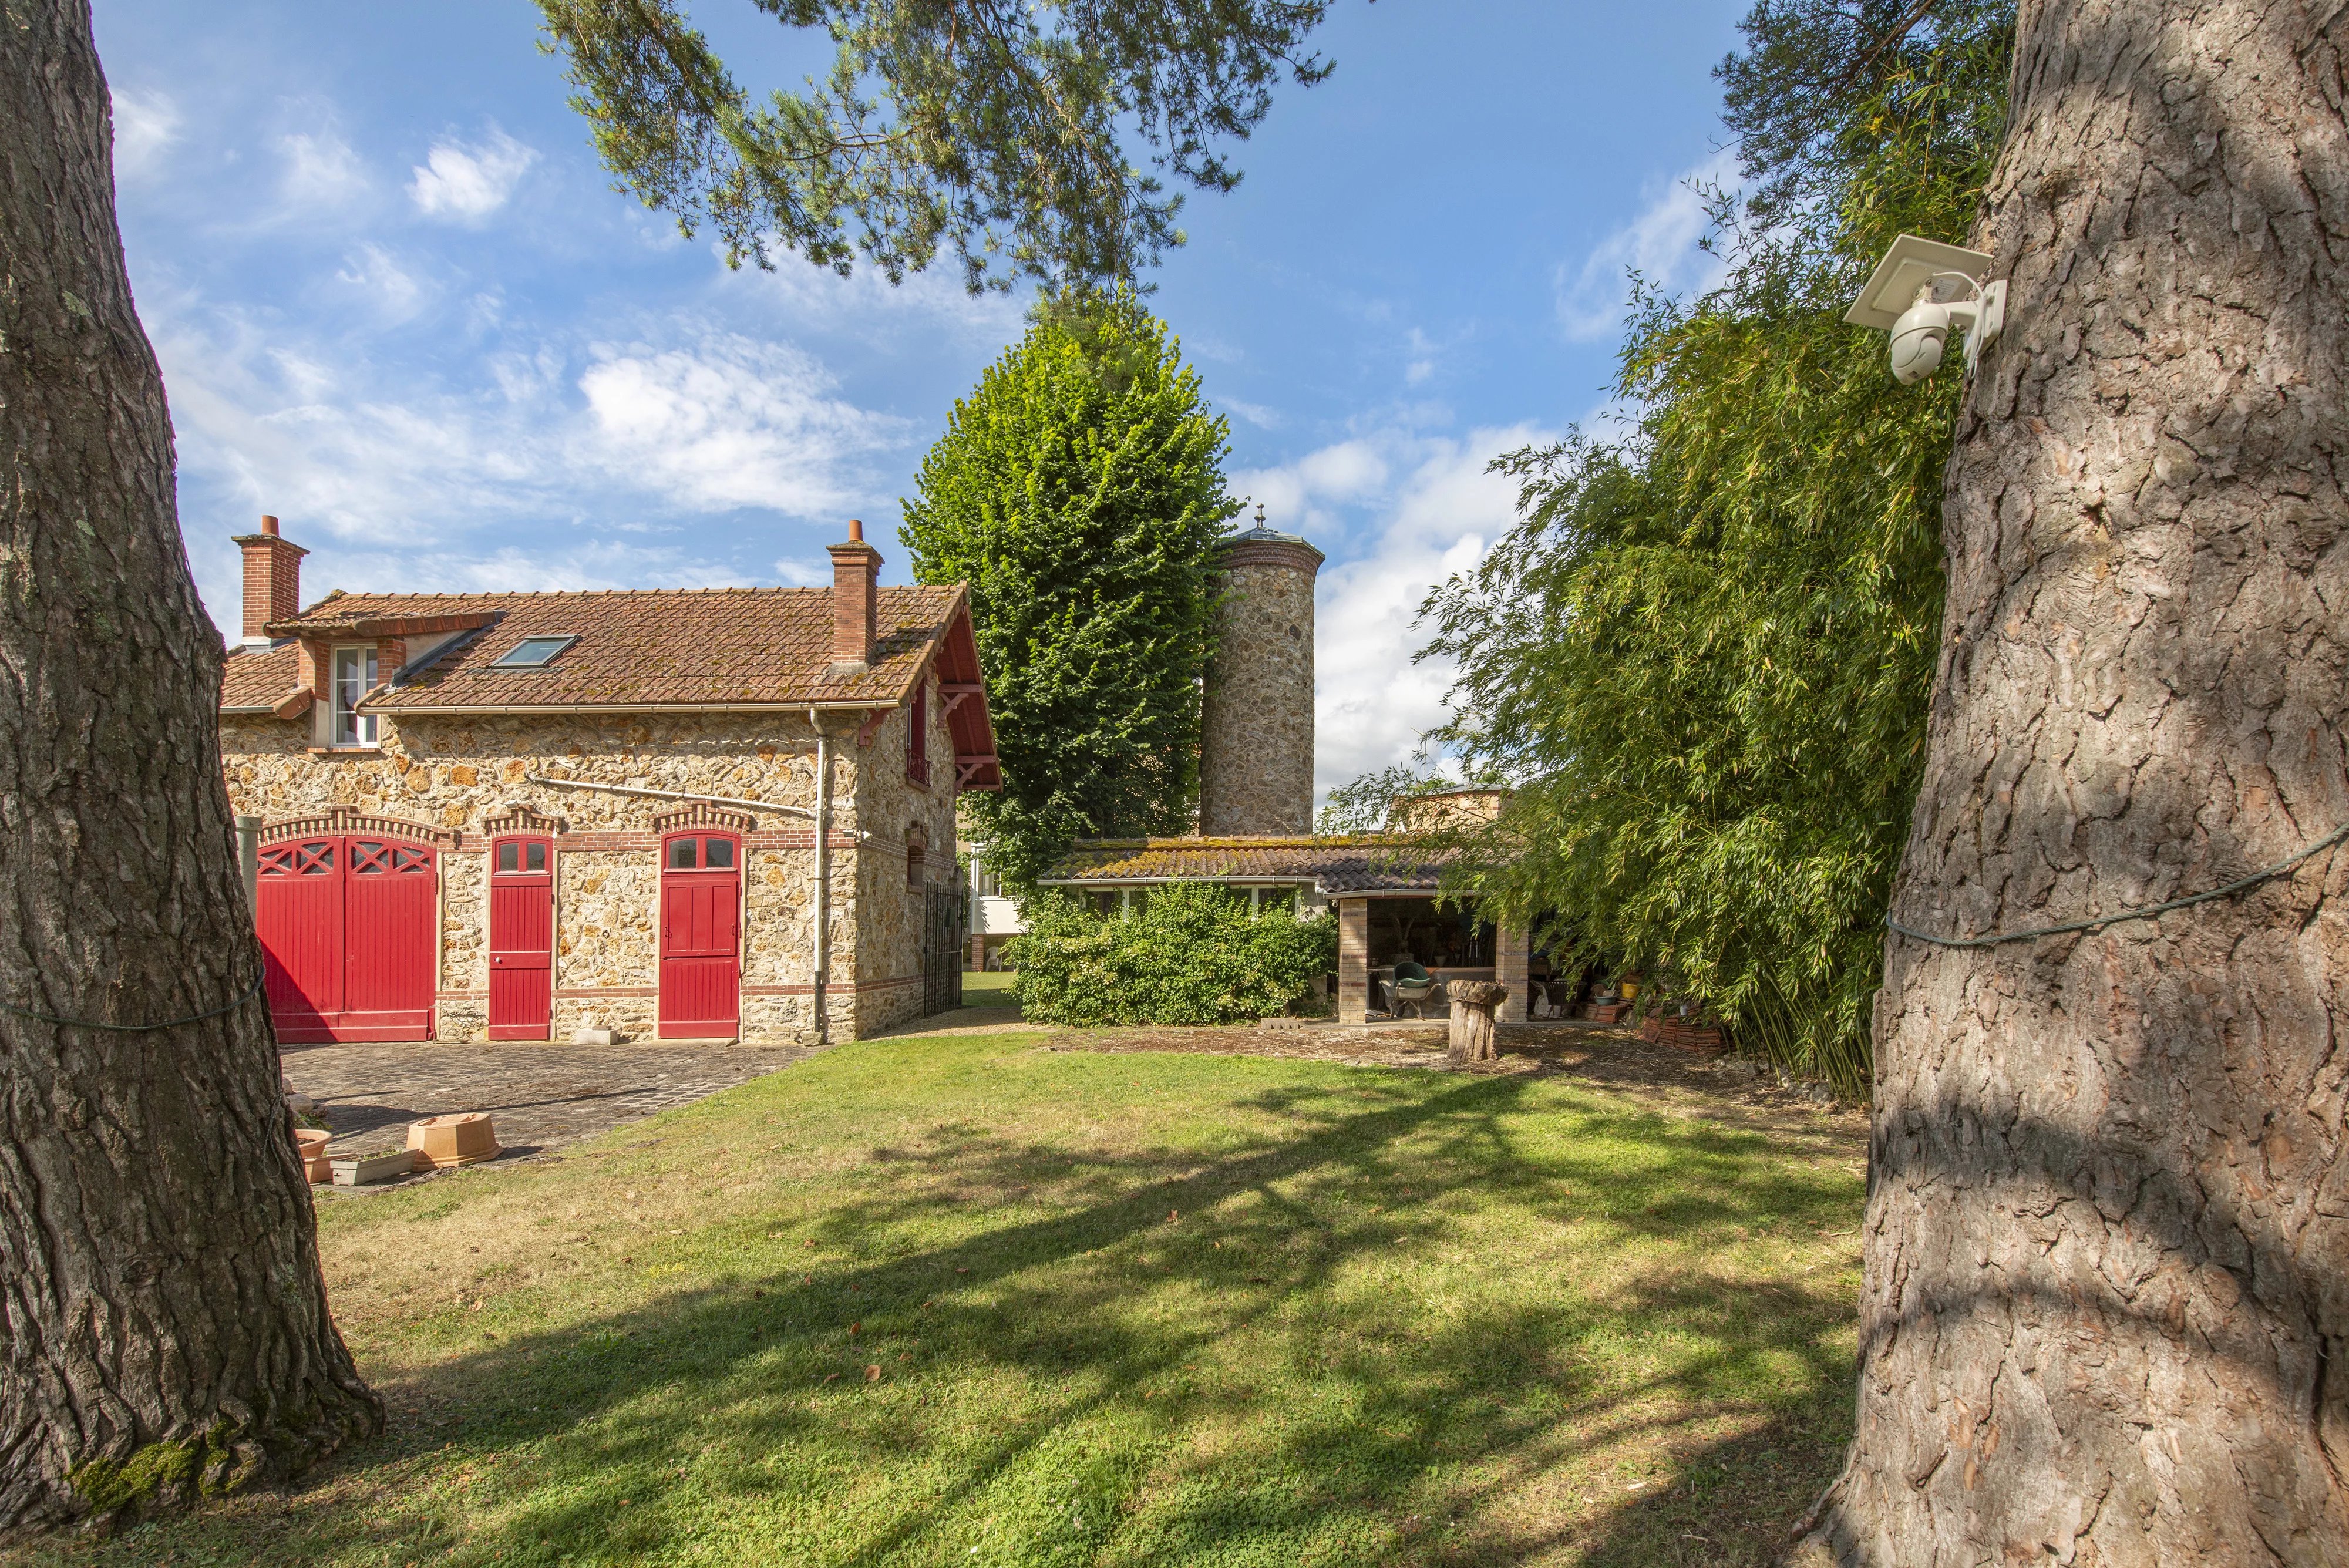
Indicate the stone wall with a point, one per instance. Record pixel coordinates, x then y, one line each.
899 813
462 1012
607 948
778 942
1256 748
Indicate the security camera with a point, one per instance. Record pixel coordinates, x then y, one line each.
1911 280
1917 338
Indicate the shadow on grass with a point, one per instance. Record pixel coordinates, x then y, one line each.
1059 1386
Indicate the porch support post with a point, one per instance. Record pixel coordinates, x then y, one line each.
1512 963
1353 960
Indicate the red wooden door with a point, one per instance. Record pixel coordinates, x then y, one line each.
348 928
389 943
700 967
521 939
299 900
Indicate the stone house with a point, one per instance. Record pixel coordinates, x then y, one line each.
711 814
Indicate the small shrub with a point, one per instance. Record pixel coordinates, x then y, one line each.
1191 954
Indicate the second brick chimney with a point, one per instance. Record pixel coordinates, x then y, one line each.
273 579
854 631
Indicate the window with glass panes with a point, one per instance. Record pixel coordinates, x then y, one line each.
696 854
521 855
354 677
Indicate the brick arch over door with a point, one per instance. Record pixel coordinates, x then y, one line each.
348 912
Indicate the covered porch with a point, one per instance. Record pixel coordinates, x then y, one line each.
1383 886
1378 930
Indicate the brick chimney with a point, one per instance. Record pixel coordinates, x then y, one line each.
273 579
855 565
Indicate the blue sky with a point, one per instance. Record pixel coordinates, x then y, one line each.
398 305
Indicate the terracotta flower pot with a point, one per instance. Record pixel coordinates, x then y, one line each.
312 1143
461 1138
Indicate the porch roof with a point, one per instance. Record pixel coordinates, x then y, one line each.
1338 866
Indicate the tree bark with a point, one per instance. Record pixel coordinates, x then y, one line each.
1474 1003
2106 1313
167 1324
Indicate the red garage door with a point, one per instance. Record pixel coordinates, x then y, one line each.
701 909
347 925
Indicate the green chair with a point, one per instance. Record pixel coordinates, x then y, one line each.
1411 987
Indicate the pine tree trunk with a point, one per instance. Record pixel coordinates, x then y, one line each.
2106 1310
166 1322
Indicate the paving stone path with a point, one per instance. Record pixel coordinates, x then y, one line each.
539 1096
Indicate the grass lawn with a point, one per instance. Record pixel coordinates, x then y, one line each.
991 988
980 1302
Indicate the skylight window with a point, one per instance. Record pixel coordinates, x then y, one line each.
533 652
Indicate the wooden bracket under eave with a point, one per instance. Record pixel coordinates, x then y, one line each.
294 704
872 727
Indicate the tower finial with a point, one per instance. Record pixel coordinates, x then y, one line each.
1260 513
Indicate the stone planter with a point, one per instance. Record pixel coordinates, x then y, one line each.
360 1170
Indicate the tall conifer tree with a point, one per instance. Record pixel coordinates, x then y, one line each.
1079 490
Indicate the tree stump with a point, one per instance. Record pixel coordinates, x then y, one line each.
1473 1005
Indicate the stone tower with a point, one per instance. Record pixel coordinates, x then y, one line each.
1255 736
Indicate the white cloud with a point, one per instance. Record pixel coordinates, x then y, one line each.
1423 359
1313 496
554 466
732 422
816 296
145 126
320 170
1257 414
588 565
1422 507
1372 703
1661 244
466 183
396 293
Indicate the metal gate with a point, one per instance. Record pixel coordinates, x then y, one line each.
942 946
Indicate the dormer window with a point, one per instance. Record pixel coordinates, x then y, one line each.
533 652
354 677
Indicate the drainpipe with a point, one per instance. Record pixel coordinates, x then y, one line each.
822 874
248 861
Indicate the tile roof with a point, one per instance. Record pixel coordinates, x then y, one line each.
253 681
646 648
1358 863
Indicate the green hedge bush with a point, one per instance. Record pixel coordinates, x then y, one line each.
1192 953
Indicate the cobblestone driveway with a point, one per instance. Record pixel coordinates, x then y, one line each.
539 1096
